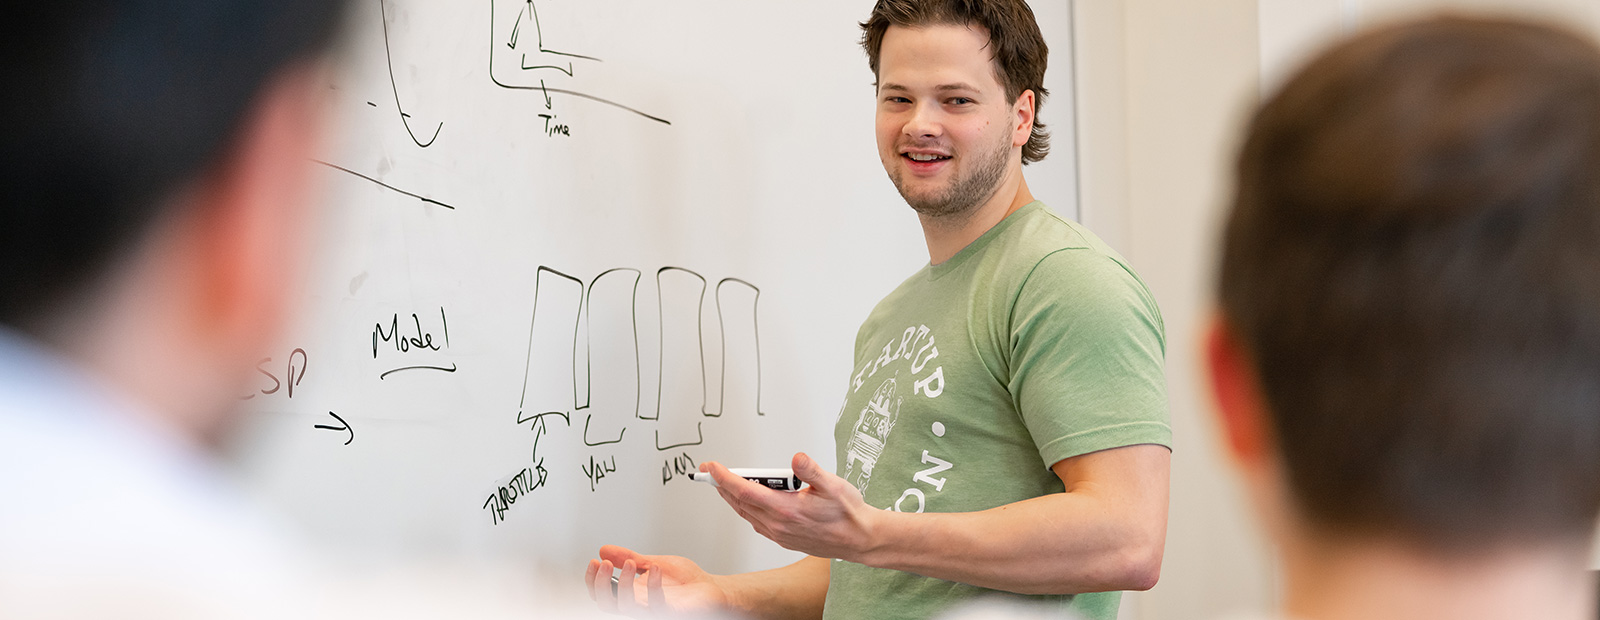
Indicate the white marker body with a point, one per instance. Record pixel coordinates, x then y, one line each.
780 479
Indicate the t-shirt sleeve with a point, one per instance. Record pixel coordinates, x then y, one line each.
1087 350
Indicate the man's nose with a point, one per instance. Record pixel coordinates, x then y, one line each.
925 122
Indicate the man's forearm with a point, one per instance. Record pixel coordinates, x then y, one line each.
1093 538
1047 545
793 592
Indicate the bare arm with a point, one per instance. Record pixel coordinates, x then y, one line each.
1106 532
793 592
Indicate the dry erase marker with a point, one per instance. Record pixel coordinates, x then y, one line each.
780 479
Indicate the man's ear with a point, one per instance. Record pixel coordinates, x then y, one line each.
1236 389
251 213
1023 111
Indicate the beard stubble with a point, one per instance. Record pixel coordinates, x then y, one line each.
965 193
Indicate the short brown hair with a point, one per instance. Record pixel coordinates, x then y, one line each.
1413 260
1020 54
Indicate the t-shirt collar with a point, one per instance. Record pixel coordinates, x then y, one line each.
977 245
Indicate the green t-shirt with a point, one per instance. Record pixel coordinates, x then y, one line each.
1033 344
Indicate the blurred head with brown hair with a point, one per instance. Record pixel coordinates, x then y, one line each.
1408 357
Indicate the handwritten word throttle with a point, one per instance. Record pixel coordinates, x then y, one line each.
525 482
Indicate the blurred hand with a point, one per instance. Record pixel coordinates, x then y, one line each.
671 584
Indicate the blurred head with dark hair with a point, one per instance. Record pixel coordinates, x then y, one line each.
113 108
1409 346
153 179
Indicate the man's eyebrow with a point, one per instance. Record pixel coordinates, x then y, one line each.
941 88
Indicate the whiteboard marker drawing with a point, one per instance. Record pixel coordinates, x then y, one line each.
342 426
531 60
682 383
610 356
417 340
584 358
386 186
405 119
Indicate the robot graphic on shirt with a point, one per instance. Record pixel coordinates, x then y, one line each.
871 433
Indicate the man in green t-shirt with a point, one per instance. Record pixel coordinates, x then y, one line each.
1005 427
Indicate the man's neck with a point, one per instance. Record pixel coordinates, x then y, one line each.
948 235
1382 582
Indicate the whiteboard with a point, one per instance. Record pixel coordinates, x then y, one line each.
568 250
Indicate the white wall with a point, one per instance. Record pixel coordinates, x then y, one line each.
1164 88
1291 29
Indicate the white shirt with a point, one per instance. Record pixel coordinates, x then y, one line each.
97 507
104 515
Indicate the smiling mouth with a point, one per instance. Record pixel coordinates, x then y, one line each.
924 157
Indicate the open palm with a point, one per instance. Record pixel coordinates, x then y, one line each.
656 583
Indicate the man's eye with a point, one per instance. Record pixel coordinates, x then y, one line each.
960 101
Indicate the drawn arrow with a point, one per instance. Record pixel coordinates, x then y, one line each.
345 427
513 42
546 95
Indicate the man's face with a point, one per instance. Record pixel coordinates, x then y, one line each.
946 133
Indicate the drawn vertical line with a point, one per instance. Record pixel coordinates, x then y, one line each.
633 311
700 330
755 321
527 365
446 322
638 358
492 78
538 30
661 343
572 362
588 354
527 368
662 336
722 377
